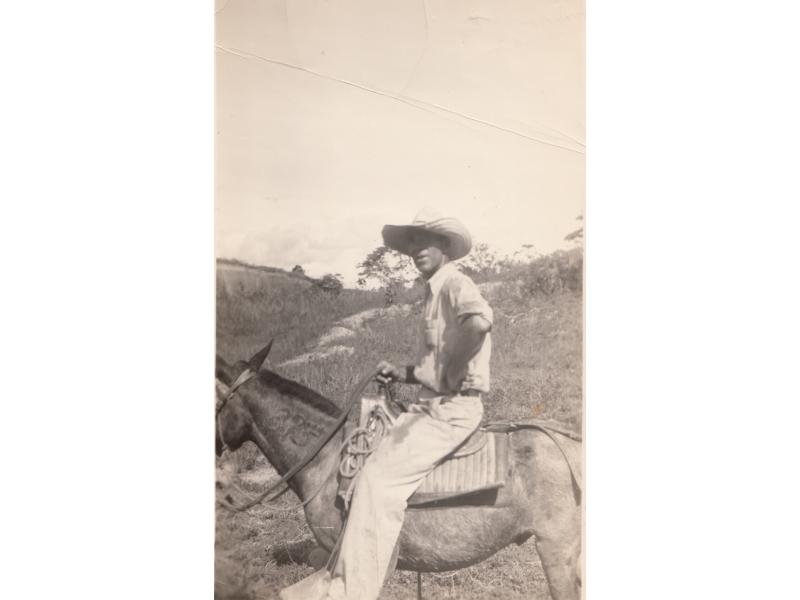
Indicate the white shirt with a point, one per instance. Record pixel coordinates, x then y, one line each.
451 297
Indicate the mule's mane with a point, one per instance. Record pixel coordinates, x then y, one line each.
304 394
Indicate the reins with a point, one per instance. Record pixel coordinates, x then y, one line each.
356 444
355 395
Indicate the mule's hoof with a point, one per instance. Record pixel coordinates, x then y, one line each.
318 558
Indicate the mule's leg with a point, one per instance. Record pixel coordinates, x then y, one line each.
556 511
561 567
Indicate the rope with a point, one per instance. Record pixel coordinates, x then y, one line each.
357 447
355 450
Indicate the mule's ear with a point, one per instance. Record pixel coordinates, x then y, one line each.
259 357
222 389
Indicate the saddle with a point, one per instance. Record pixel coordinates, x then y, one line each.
473 474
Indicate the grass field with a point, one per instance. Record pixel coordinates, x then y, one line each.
536 372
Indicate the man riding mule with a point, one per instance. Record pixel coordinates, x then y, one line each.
453 368
301 434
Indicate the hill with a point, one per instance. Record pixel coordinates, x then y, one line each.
258 303
536 372
238 275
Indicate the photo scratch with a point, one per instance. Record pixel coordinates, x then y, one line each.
416 103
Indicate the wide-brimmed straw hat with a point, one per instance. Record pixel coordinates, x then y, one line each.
398 237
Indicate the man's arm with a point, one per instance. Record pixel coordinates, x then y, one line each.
471 332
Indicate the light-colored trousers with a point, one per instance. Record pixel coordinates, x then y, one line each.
417 442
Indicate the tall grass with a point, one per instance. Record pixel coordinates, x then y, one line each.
536 372
291 312
537 337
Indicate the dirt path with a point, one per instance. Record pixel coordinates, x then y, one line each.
331 343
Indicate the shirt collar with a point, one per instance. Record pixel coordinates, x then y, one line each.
437 280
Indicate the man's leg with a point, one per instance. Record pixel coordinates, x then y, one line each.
412 448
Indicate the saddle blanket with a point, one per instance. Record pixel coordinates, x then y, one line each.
471 476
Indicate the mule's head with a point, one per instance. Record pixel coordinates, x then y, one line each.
234 420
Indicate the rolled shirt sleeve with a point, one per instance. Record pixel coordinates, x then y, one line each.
466 299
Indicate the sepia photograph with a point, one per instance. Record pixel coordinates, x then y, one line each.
399 227
455 355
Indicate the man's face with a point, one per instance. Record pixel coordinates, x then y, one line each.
428 250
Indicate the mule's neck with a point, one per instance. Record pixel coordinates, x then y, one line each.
288 420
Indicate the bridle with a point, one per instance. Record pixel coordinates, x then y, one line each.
243 378
246 376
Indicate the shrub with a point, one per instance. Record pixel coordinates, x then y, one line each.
330 283
553 273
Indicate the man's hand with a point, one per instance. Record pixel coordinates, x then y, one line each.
388 372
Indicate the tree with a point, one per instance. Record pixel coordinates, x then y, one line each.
554 273
331 283
481 263
298 269
387 268
577 235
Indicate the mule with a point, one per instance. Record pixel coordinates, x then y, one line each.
284 418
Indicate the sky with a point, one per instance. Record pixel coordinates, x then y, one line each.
335 118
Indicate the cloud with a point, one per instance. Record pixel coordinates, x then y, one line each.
319 246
